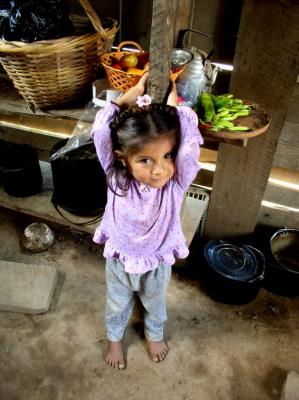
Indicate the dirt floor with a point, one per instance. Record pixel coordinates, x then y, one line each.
217 351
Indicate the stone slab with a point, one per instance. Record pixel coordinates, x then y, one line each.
26 288
290 389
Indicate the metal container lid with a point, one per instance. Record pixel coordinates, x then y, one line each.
180 57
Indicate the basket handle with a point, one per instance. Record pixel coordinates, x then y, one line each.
94 18
119 47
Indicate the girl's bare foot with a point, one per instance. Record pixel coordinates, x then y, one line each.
158 350
115 356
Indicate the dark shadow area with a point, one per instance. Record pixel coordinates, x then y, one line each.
227 26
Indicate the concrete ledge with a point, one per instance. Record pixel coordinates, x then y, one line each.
26 288
40 206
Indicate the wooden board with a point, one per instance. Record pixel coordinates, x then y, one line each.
168 16
242 174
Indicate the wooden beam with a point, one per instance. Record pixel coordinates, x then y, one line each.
168 17
266 66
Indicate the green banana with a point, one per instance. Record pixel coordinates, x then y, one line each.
229 117
224 124
238 101
220 126
237 108
242 113
239 128
225 102
222 113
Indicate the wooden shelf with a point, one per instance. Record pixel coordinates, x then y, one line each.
40 129
12 103
212 142
40 206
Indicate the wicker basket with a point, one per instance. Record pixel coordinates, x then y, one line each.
50 73
122 80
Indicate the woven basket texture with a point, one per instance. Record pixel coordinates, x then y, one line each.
122 80
50 73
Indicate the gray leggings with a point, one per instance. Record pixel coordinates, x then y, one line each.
151 289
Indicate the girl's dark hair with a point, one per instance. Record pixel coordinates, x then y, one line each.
135 127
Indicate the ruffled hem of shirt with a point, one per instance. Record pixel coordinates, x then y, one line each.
141 264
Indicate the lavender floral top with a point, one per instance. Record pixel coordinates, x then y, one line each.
143 227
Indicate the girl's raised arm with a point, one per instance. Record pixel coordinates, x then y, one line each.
130 96
101 134
186 163
187 159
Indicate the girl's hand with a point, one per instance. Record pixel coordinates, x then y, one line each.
130 96
173 96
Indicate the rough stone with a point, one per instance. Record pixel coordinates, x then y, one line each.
37 237
26 288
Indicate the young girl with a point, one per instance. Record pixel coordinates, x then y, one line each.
150 154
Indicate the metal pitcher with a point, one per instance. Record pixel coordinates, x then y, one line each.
199 75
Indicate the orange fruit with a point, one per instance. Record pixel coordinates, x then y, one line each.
116 66
135 71
130 60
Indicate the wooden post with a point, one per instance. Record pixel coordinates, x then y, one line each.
266 66
167 17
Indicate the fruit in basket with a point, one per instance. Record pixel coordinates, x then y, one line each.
129 60
116 66
135 71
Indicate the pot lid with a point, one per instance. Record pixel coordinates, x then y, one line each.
244 263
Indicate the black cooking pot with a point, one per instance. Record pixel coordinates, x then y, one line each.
282 262
233 274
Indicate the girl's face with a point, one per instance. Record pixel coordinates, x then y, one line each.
153 165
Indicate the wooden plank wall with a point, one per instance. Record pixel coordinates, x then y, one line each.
265 70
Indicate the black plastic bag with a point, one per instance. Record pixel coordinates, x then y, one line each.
78 179
19 169
4 19
32 20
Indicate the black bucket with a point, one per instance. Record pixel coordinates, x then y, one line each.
21 173
280 247
79 181
282 263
